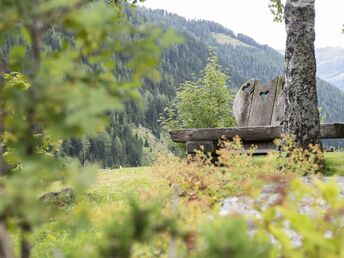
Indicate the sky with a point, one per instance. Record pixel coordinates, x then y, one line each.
253 18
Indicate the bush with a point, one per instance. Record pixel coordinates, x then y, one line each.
293 159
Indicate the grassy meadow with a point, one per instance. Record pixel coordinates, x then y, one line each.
108 201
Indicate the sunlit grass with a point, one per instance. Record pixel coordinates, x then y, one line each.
107 200
334 163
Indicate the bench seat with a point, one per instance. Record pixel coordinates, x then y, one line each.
262 136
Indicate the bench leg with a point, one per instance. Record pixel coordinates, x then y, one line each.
207 147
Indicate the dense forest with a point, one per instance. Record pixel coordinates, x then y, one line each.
133 134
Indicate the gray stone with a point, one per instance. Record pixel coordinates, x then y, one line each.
270 195
62 198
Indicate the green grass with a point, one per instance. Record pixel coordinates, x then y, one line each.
227 40
107 201
334 163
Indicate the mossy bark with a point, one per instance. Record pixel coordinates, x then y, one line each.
301 115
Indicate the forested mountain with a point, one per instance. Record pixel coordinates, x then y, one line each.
125 144
330 63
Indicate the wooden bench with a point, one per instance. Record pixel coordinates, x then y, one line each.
258 110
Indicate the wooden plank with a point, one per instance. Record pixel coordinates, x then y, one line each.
205 146
332 131
278 109
262 148
264 151
242 103
260 145
262 103
256 104
262 133
257 133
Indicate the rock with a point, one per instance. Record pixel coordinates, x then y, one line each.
270 195
62 198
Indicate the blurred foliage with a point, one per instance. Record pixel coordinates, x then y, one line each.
141 225
63 91
313 211
229 238
277 10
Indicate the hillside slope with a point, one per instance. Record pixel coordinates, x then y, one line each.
330 64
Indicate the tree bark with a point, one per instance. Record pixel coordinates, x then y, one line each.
301 115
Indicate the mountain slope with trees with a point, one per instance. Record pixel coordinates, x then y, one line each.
330 63
239 55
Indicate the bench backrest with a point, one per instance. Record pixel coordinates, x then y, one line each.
257 104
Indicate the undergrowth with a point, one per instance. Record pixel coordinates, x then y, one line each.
236 168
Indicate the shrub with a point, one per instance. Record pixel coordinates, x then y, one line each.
200 179
293 159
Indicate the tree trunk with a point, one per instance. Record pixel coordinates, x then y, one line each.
301 105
